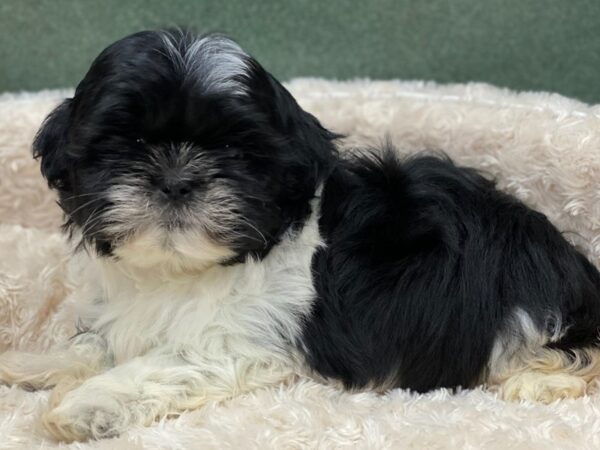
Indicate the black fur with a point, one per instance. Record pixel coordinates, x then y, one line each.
424 262
136 95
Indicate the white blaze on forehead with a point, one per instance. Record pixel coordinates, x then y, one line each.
214 61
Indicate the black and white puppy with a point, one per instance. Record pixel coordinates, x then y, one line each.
223 244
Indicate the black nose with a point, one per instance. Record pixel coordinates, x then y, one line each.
176 189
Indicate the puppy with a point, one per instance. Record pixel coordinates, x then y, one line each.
222 245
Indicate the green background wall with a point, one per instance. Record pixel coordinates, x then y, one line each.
551 45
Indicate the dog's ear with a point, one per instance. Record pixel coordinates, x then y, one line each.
50 145
310 146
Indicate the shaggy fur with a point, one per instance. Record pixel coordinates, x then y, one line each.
513 127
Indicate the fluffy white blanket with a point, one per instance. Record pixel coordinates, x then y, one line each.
543 148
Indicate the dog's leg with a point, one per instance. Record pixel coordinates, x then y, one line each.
548 375
154 385
80 358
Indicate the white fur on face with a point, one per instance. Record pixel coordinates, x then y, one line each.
149 239
171 251
149 232
257 302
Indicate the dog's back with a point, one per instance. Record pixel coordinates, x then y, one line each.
431 277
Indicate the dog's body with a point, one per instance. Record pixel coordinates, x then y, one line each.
223 245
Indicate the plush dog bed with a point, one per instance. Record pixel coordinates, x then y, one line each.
543 148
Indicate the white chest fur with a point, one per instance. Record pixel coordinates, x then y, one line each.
252 306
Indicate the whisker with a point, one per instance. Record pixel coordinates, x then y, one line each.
85 228
247 222
80 195
71 213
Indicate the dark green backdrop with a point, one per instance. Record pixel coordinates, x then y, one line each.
549 45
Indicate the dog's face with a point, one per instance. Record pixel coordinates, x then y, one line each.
181 148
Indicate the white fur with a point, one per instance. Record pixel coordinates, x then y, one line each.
136 215
519 338
256 301
177 334
521 367
215 61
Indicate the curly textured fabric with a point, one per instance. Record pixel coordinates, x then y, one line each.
543 148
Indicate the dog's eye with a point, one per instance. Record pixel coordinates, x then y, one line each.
140 141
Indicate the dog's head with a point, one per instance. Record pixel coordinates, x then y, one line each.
183 148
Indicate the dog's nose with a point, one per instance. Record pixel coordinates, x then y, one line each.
176 189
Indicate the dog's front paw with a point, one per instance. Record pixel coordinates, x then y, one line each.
82 417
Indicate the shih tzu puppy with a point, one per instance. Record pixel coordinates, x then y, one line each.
223 244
